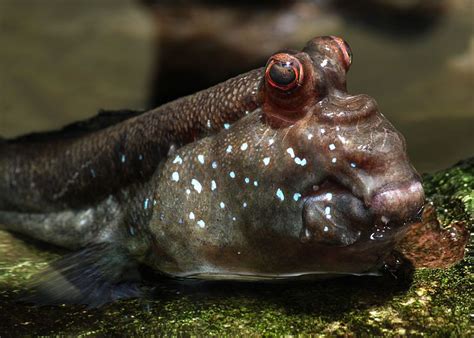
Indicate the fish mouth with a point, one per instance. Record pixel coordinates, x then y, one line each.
392 204
398 202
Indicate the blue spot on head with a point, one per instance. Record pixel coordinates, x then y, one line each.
296 196
280 195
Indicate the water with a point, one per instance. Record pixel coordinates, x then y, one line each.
62 62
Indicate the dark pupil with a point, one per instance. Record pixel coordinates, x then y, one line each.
282 74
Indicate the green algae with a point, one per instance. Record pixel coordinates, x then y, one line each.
433 302
452 191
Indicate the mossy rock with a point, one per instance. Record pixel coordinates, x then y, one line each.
433 302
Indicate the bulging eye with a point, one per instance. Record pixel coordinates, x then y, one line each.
345 50
283 72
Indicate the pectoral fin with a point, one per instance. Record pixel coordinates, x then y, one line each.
334 217
94 276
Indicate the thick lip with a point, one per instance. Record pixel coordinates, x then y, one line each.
406 186
399 201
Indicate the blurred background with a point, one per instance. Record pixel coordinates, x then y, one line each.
62 60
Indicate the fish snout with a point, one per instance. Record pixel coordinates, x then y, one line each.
399 202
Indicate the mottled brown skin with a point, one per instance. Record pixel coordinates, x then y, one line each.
309 180
251 202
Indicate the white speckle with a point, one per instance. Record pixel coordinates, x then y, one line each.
213 185
324 63
178 160
328 216
310 136
255 183
296 196
322 130
188 191
209 124
385 219
301 162
226 126
233 218
247 180
291 152
244 204
334 160
214 165
201 223
175 176
229 149
315 187
222 205
266 160
191 215
332 146
196 185
247 112
326 229
329 196
337 128
155 202
232 174
342 138
123 158
201 158
327 210
307 233
140 157
353 165
271 141
238 252
244 146
280 195
145 203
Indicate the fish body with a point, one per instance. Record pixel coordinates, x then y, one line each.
284 174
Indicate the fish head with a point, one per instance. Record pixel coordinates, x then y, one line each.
345 137
314 181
